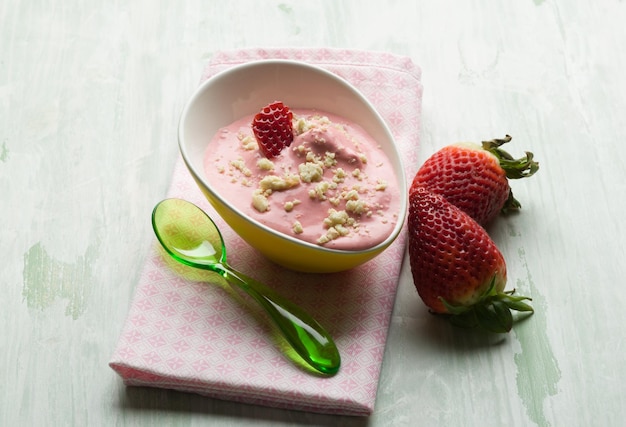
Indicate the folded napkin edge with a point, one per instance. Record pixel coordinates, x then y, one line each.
134 377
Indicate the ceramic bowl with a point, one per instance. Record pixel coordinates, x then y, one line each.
243 90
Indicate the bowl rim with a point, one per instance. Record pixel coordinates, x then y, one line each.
198 92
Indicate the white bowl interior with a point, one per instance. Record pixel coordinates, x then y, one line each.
245 89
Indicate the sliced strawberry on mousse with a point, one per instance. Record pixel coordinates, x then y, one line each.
273 128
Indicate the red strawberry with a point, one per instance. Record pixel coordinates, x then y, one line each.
457 269
273 128
474 178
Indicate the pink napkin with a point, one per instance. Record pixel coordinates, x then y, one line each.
191 336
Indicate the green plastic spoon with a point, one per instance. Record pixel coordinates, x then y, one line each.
191 237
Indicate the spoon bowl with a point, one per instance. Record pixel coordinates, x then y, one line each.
191 237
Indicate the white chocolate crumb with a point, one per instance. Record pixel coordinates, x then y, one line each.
248 142
323 120
260 201
331 234
240 165
319 192
290 205
357 207
351 195
297 227
343 231
329 160
301 125
312 157
310 172
336 217
339 176
278 183
265 164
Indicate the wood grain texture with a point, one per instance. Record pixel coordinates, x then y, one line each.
90 95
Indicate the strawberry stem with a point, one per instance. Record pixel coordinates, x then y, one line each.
492 311
514 168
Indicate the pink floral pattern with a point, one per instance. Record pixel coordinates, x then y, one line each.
185 334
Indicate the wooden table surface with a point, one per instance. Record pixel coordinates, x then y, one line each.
90 96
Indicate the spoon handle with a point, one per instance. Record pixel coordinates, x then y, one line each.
307 337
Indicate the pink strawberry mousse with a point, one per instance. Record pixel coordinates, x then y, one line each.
333 186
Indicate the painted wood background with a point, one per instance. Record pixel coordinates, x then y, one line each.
90 95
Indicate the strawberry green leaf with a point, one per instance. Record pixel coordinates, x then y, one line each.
514 168
492 311
516 303
455 310
503 314
494 317
510 204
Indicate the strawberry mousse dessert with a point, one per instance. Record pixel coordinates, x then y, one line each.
308 174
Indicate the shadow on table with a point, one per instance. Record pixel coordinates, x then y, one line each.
439 333
162 402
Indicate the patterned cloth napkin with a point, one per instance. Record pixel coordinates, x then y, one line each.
187 335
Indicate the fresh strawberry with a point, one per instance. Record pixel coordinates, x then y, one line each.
456 267
273 128
474 178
